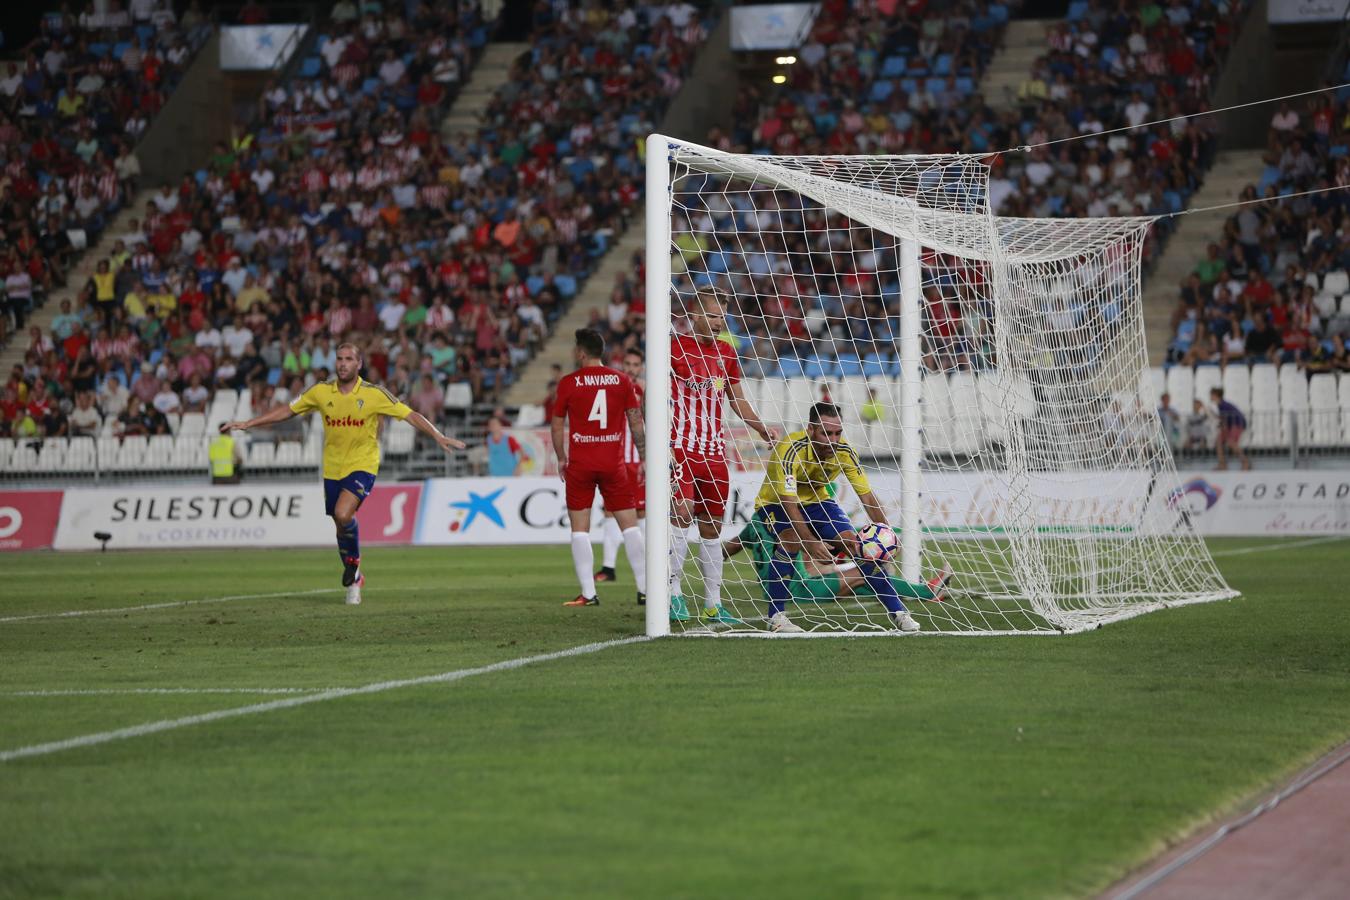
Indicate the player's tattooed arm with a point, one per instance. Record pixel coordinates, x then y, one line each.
639 432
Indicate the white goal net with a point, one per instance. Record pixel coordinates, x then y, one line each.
990 378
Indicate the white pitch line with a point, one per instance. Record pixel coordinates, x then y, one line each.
126 691
129 609
1283 545
103 737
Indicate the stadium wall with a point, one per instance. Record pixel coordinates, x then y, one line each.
494 511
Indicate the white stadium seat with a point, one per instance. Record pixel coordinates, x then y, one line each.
1337 282
82 455
531 415
131 457
1266 429
800 395
262 454
458 395
1206 379
193 424
52 456
1153 386
964 413
6 451
1324 419
939 435
290 455
24 458
398 437
1181 385
1237 386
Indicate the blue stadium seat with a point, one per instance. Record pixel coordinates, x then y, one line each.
146 33
311 67
943 64
849 366
881 90
1077 10
893 67
99 49
790 367
567 285
874 366
965 84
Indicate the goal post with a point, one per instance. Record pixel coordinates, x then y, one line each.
990 376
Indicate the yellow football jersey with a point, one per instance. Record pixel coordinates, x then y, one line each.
794 473
351 424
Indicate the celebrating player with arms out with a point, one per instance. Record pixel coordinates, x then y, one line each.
634 366
704 372
599 407
794 507
351 409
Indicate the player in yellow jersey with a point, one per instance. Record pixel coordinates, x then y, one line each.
796 505
351 411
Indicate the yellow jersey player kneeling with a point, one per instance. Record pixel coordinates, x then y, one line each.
351 409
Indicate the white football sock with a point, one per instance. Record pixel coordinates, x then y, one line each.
635 547
611 543
710 564
679 550
583 561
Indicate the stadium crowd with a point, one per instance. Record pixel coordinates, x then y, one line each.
878 77
1272 288
344 214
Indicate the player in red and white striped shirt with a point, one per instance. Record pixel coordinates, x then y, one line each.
634 366
704 374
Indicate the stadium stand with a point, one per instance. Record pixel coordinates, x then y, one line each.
347 217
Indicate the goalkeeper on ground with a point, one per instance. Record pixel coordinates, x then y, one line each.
795 508
810 581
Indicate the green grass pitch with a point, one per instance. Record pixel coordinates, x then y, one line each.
1000 767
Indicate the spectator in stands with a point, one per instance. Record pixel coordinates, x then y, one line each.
1171 421
84 418
1262 343
1199 427
505 455
1232 425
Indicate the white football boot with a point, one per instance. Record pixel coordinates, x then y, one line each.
781 624
903 621
354 590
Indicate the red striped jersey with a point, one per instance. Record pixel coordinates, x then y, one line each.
630 449
700 375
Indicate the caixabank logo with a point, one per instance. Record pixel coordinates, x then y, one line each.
477 507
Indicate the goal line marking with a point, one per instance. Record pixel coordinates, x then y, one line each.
70 614
119 734
1282 545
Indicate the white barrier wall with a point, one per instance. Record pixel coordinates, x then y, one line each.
487 511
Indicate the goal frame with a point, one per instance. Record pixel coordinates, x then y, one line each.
660 152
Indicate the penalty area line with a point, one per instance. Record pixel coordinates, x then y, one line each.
74 613
121 734
128 691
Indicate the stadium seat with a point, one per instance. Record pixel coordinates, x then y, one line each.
81 457
1264 420
1153 386
1324 412
130 456
531 415
261 455
399 438
1336 282
24 458
52 455
291 455
800 395
105 452
1206 379
458 395
192 424
1181 385
964 413
939 431
1237 387
6 451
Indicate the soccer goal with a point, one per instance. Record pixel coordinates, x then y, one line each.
990 375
